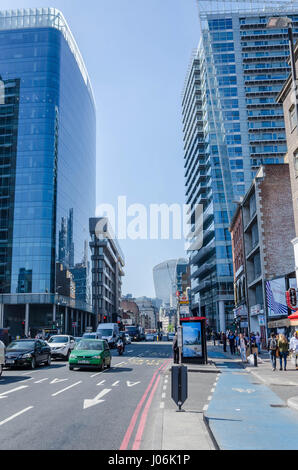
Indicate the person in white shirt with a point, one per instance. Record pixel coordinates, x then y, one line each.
294 347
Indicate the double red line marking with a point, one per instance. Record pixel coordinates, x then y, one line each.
141 427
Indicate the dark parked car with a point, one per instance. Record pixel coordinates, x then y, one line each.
28 353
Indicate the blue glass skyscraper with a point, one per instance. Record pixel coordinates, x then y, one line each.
47 165
232 124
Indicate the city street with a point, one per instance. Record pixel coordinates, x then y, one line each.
55 408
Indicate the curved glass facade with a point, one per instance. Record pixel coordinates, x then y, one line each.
51 157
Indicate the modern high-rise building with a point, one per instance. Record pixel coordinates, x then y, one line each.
170 276
107 271
47 167
232 125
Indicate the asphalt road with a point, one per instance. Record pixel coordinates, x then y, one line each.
55 408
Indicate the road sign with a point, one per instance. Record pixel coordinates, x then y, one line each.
74 323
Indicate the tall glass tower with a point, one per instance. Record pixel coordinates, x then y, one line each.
47 167
231 124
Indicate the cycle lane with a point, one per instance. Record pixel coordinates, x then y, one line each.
244 414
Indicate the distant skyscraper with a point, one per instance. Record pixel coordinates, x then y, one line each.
232 124
47 162
167 277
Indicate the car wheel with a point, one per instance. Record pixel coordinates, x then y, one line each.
1 369
48 363
109 364
33 363
70 367
101 366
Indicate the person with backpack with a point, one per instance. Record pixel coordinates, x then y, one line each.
272 347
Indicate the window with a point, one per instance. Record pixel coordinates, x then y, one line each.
296 162
293 117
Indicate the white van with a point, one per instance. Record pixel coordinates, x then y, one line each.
2 356
110 332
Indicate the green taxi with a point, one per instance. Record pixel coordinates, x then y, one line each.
93 353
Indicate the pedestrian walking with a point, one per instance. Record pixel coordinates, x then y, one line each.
213 337
232 338
224 341
258 342
294 347
272 347
283 348
242 347
175 349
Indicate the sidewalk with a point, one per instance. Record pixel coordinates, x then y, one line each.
187 430
247 409
232 406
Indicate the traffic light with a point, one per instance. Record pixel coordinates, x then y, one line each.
105 319
23 328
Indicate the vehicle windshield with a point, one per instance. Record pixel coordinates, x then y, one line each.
20 345
58 339
89 335
131 329
104 332
95 345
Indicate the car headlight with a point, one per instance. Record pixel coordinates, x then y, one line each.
96 357
26 356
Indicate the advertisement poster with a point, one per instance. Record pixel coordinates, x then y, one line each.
276 298
192 339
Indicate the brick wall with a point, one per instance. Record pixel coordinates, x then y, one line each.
276 220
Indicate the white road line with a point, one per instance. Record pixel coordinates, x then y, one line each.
100 383
209 398
115 383
97 373
67 388
39 381
164 387
31 372
14 390
212 390
131 350
163 395
166 381
162 404
15 415
205 408
123 362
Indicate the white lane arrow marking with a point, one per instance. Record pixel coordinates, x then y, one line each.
131 384
100 383
2 395
97 399
56 381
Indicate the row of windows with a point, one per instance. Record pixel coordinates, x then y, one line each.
216 24
265 124
267 136
268 148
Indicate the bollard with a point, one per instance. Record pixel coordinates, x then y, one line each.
255 360
179 385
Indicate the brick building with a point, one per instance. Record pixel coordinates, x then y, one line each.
287 98
267 230
238 252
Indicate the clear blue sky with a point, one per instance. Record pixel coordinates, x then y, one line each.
137 53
